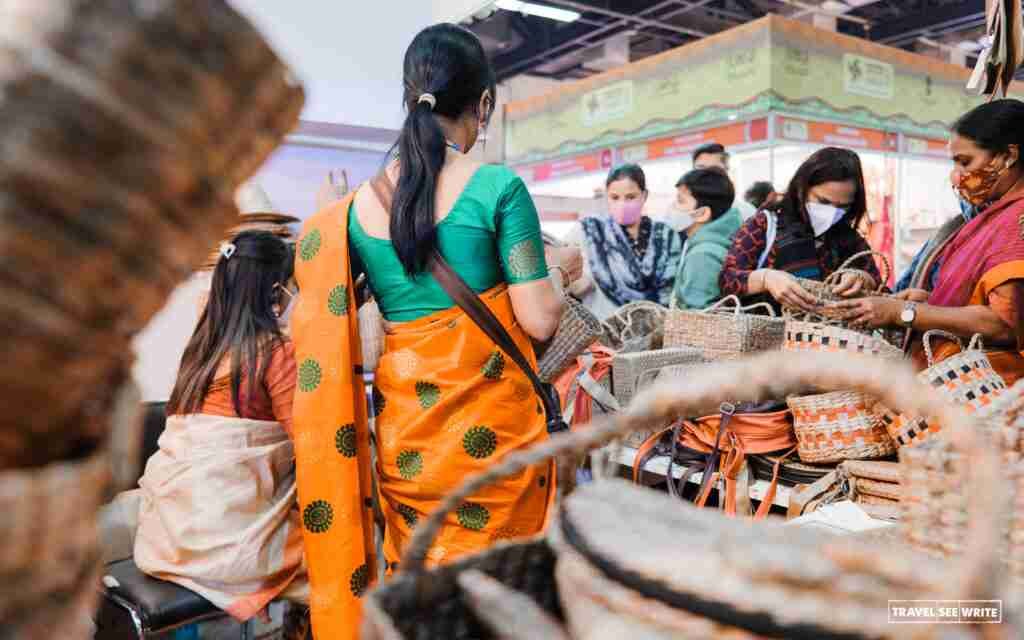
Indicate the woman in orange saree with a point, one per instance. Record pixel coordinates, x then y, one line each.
447 402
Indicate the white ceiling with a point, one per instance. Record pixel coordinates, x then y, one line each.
348 54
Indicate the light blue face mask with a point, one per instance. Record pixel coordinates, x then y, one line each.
967 210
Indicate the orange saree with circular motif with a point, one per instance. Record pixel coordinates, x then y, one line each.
447 404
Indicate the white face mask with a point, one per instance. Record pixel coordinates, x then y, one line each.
823 217
679 219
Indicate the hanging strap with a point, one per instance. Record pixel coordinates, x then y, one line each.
481 315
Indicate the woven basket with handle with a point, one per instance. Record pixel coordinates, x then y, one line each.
726 330
806 333
578 329
937 504
823 290
681 570
636 326
967 379
840 425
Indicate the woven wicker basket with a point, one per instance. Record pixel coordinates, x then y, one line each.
876 489
807 334
637 326
126 125
577 330
822 290
631 372
967 379
936 503
668 557
840 425
724 333
50 556
879 471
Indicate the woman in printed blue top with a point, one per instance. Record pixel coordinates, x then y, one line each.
629 257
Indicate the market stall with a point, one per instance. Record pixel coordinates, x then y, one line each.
772 92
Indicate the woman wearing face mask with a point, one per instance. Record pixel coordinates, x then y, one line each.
815 231
216 508
629 257
448 403
979 270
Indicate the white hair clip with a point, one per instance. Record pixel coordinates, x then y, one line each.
227 249
429 99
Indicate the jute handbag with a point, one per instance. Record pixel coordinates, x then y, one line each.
577 330
967 379
636 326
807 333
725 330
683 572
823 290
837 426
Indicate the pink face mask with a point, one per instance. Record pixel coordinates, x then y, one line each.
626 212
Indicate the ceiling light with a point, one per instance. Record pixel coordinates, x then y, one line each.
970 45
834 6
539 10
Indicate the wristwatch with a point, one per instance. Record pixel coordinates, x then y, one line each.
909 314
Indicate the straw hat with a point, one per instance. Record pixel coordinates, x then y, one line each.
255 205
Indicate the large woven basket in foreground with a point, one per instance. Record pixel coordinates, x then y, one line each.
127 126
635 562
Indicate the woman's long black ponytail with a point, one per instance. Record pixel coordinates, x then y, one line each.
449 63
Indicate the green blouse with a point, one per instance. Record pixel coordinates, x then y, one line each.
491 235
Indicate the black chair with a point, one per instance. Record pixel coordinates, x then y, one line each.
135 605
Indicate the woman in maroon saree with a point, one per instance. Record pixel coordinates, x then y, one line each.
980 284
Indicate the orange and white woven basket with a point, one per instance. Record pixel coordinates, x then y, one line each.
837 426
967 379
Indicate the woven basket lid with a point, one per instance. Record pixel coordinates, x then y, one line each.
879 470
747 574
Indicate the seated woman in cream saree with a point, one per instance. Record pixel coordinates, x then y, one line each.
216 509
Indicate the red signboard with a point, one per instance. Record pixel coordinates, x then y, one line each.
836 135
567 166
685 144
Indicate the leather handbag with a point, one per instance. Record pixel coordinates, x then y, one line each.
482 316
716 446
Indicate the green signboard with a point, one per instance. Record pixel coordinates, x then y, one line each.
772 65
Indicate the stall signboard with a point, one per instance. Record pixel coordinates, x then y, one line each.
835 135
730 135
563 167
609 103
868 77
926 147
697 86
769 66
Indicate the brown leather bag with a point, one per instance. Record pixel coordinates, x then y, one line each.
481 315
717 446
